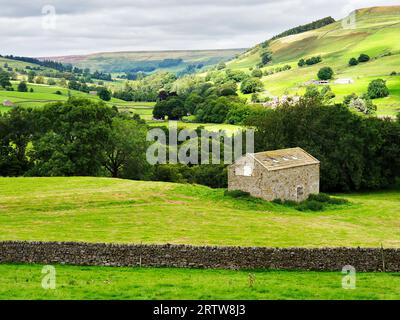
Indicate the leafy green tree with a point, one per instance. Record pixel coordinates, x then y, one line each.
22 87
378 89
221 66
173 108
266 57
71 138
192 102
104 94
51 82
39 80
236 75
363 58
228 89
31 76
251 85
313 60
126 150
16 129
257 73
353 62
344 142
4 79
325 73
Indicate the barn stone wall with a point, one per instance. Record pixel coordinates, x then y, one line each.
276 184
324 259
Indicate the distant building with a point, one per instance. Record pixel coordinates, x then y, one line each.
8 103
344 81
289 174
316 82
93 93
278 101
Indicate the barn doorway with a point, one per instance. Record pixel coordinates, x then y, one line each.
299 192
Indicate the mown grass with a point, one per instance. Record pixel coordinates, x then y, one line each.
123 211
73 282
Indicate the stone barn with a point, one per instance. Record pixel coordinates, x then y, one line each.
8 103
289 174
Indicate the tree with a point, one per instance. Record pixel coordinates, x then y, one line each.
228 89
173 108
353 62
16 129
31 76
301 63
344 142
4 79
221 66
378 89
313 60
104 94
251 85
126 150
71 138
363 58
257 73
39 80
266 57
325 73
363 104
22 87
51 82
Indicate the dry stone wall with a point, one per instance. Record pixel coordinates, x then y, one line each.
182 256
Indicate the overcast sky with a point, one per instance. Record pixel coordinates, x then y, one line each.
32 28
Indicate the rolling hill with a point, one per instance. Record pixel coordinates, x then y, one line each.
375 33
175 61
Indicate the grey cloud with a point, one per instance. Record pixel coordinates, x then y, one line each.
100 25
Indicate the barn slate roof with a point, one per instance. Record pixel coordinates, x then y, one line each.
284 158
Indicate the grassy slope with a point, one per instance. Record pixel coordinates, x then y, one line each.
23 282
376 33
109 210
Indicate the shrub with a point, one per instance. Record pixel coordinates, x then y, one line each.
313 60
310 205
363 58
353 62
257 73
251 85
378 89
322 197
277 201
22 87
325 73
393 73
236 194
301 63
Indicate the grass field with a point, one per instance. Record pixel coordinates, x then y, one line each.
375 34
110 210
24 282
44 94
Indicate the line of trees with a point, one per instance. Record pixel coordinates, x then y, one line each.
355 152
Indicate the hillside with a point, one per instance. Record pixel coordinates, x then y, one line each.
376 32
124 211
175 61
